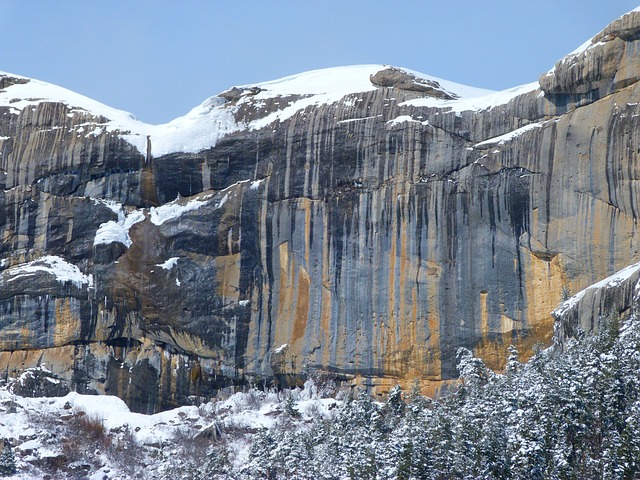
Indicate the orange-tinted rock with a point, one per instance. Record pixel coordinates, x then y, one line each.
370 237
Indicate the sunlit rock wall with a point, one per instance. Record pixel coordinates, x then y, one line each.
370 238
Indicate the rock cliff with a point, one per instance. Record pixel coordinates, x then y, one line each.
365 221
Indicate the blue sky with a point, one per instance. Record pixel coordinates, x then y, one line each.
158 59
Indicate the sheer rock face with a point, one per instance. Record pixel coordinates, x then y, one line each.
370 237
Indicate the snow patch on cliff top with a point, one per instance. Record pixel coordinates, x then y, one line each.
585 47
330 85
199 129
334 83
475 103
22 95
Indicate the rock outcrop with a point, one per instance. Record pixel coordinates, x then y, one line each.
363 221
611 300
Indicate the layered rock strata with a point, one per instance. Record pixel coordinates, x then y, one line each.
369 234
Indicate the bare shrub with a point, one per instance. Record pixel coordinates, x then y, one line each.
84 436
124 450
324 382
314 411
253 399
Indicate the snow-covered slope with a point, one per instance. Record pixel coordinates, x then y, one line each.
484 101
337 82
204 125
101 438
198 129
329 85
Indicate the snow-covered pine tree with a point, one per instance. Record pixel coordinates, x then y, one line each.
7 460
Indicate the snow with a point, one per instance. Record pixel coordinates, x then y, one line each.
330 85
459 89
35 91
475 103
336 82
199 129
178 207
350 120
585 47
570 57
195 131
113 231
507 137
223 200
404 119
62 270
169 264
581 49
204 125
174 209
255 184
613 281
111 410
115 207
280 348
35 426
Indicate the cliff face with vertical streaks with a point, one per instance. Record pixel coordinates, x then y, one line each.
292 226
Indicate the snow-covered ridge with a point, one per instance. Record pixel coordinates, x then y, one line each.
572 56
337 82
205 124
612 281
197 130
214 118
592 43
330 85
62 270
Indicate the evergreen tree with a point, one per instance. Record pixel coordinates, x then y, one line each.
290 406
570 414
7 460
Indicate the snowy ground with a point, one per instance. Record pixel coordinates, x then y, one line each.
98 437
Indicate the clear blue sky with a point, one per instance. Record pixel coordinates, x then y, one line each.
158 59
